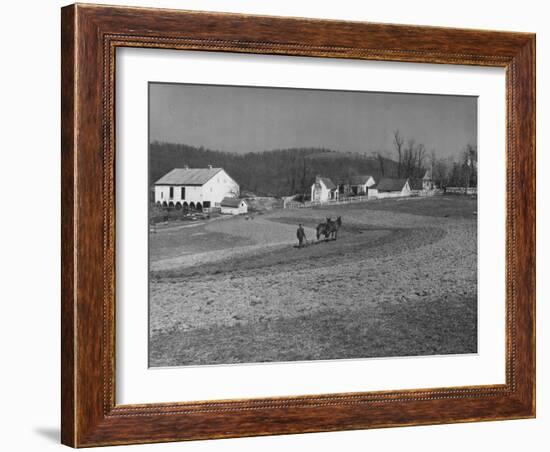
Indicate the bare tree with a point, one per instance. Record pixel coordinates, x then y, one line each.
420 157
432 161
441 171
398 144
433 158
409 159
469 164
381 157
303 182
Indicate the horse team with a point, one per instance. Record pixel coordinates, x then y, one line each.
329 228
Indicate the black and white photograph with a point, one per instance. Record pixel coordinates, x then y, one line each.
275 226
302 224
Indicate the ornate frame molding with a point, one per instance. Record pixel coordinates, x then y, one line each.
90 37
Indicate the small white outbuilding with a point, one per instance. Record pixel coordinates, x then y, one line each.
234 206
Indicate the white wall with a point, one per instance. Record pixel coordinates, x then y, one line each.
320 195
214 190
389 194
30 246
193 193
219 187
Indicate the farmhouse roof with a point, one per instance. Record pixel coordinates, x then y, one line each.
231 202
188 176
360 179
328 183
391 184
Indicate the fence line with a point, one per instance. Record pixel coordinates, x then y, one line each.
462 190
361 198
341 200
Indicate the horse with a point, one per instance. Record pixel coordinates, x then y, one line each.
333 227
329 228
322 229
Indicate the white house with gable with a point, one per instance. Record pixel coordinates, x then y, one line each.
195 188
323 190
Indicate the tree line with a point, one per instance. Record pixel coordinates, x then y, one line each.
283 172
279 172
413 159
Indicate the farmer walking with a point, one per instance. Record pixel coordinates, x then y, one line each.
301 235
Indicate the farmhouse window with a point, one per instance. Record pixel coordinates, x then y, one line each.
182 192
171 192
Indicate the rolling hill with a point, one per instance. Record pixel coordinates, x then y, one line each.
276 172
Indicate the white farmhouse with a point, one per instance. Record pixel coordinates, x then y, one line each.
194 188
323 190
360 184
234 206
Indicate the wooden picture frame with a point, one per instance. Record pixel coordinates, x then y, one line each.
90 35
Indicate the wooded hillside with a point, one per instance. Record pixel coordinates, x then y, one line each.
278 172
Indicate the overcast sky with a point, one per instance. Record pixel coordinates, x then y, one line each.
249 119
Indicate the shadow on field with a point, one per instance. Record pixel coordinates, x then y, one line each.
353 242
426 327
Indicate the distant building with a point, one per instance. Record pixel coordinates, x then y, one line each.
426 184
234 206
395 186
194 188
427 181
360 184
323 190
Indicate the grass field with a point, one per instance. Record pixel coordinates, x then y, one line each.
400 280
